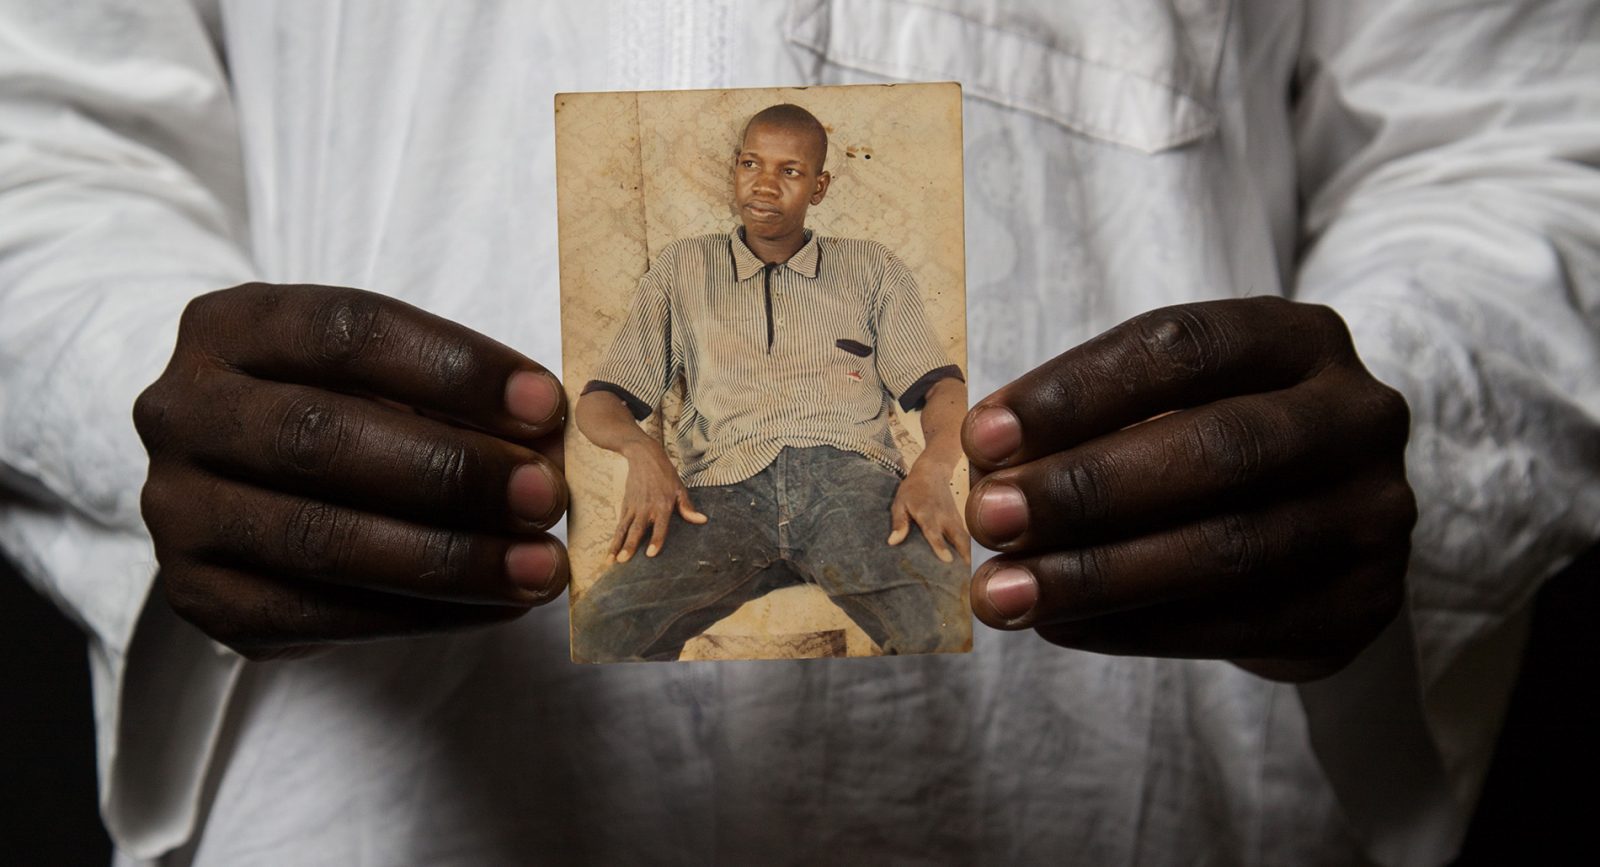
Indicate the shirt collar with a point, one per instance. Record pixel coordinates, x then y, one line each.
746 264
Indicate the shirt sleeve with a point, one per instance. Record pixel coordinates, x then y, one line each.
910 357
1448 156
641 364
121 198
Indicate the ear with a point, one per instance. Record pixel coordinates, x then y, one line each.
822 188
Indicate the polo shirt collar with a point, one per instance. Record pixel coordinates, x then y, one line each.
746 264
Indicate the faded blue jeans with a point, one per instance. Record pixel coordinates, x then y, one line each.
814 515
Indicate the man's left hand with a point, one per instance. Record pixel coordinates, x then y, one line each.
924 497
1216 480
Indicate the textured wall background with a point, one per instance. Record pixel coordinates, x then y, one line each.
640 170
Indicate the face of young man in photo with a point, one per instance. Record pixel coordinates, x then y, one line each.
776 177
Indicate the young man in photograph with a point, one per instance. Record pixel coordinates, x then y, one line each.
791 346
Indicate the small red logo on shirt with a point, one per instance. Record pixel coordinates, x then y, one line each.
855 375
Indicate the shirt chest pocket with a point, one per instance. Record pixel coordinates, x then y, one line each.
1137 73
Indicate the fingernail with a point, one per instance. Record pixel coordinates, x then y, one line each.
531 565
996 434
533 396
624 556
1011 591
532 493
1002 512
652 550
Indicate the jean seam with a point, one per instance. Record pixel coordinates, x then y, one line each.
667 627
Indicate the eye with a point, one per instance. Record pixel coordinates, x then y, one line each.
747 163
792 172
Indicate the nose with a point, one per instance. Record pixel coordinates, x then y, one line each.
766 181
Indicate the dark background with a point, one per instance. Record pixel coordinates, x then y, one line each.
1538 804
48 813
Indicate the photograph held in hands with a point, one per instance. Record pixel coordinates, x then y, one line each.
763 322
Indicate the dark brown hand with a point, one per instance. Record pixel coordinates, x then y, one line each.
1215 480
331 465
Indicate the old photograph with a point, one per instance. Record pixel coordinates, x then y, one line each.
763 320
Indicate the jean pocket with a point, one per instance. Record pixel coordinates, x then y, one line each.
1138 73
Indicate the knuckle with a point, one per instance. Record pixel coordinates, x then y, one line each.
1181 340
1326 322
200 597
155 503
277 620
1228 444
1387 515
152 414
312 537
1080 490
1230 547
1399 503
343 325
446 560
202 311
1088 573
310 436
454 364
1058 393
452 472
1392 416
207 318
189 597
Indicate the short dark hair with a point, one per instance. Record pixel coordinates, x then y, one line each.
793 117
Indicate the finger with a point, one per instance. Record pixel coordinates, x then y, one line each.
360 453
933 532
1166 359
363 342
621 535
936 542
962 542
630 543
1181 465
688 511
264 618
899 523
1263 549
658 534
234 525
1321 624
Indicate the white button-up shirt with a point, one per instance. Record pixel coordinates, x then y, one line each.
1426 168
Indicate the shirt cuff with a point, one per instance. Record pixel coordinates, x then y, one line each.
639 408
914 396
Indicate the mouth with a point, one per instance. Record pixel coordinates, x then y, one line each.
761 211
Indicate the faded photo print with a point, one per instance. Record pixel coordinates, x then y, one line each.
763 320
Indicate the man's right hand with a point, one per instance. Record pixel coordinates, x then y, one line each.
330 465
654 490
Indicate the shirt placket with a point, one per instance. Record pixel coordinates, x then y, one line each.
766 291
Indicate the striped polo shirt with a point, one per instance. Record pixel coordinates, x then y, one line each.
806 353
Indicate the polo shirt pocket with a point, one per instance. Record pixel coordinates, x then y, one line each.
853 378
1137 73
854 347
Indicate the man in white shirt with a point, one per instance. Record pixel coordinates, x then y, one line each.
1437 192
